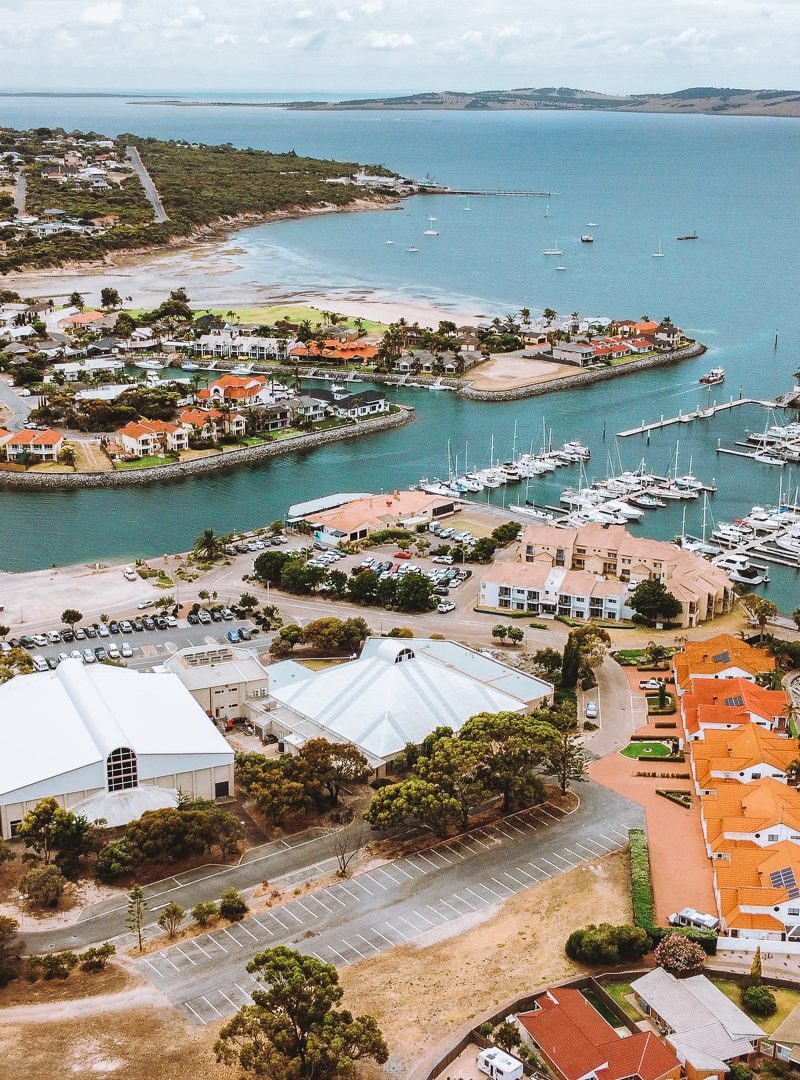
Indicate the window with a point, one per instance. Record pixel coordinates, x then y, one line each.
772 838
404 654
222 789
14 826
121 770
793 911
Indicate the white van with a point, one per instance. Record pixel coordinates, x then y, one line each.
39 663
691 917
499 1065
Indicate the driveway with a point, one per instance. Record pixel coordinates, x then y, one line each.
622 709
11 403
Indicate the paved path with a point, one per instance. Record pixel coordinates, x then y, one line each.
159 213
465 879
17 406
621 709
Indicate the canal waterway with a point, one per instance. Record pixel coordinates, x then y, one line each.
642 179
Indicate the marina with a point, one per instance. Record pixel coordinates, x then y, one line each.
699 413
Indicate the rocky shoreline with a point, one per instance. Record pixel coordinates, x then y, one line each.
585 378
182 470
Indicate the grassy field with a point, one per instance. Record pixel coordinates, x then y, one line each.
601 1006
786 999
271 313
619 991
151 462
643 749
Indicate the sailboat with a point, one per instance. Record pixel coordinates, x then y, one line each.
547 209
553 251
467 208
591 224
412 248
658 254
430 231
390 242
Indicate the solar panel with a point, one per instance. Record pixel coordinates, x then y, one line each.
783 879
736 700
721 658
794 893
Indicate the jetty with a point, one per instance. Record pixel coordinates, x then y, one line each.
479 192
698 414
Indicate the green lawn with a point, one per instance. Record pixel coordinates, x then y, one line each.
786 999
654 750
618 991
597 1003
151 462
271 313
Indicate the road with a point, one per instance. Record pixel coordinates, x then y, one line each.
18 407
620 710
463 878
20 192
159 213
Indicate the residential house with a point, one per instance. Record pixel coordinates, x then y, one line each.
211 423
668 336
758 889
704 1028
720 657
580 353
39 445
308 407
709 707
577 1043
144 438
332 350
349 406
243 391
746 754
760 814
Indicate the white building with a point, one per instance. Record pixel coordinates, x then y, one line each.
220 678
106 742
397 692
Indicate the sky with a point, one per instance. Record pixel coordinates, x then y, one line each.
381 46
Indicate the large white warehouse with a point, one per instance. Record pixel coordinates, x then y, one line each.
106 742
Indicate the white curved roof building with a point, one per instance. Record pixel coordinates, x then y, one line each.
106 742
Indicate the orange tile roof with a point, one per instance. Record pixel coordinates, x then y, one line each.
27 437
749 808
705 703
718 654
576 1038
742 748
745 880
137 428
85 318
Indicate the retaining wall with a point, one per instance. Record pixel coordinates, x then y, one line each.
585 378
181 470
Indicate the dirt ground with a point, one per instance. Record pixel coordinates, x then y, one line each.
112 980
509 371
421 995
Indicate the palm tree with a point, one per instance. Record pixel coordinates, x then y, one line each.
549 314
208 544
525 316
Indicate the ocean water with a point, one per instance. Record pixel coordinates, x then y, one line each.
643 179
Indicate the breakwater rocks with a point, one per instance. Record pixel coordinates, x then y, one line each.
182 470
584 378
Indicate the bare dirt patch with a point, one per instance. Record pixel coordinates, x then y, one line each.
422 995
511 371
112 980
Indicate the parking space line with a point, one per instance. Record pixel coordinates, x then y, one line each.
416 929
163 957
516 881
313 896
286 911
337 953
441 901
397 866
242 991
561 857
558 869
433 864
425 918
507 835
503 885
622 832
436 851
216 1010
200 947
361 885
511 825
197 1014
232 1005
525 873
577 856
303 906
378 883
250 932
463 901
352 895
355 950
380 935
210 938
266 929
155 969
233 939
400 932
186 955
544 810
381 870
453 850
410 863
535 867
377 950
477 841
497 895
610 839
592 853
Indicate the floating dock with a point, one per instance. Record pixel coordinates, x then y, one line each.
685 418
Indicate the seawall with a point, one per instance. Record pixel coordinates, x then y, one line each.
585 378
181 470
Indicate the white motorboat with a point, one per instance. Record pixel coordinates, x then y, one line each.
748 576
731 534
576 447
765 457
190 365
646 501
412 248
390 243
689 482
789 542
149 365
552 251
532 512
632 513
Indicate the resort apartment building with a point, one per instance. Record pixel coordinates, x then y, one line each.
225 345
590 572
354 518
744 767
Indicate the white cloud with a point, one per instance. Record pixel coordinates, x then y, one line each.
190 16
104 14
382 39
345 16
372 7
305 42
263 40
226 38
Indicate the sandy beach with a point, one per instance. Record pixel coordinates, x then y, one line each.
210 271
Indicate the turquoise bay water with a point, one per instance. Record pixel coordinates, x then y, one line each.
642 178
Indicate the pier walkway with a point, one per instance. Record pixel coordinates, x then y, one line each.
698 414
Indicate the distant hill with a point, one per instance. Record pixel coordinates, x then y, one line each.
695 99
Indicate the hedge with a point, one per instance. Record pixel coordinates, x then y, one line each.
706 939
641 885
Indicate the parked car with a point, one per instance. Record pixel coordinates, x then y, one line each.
40 640
113 651
126 627
650 684
53 638
192 619
102 630
63 656
691 917
216 615
591 710
101 653
88 656
137 625
226 614
114 627
402 555
67 635
125 649
76 654
80 633
441 590
445 560
204 616
446 606
172 622
39 662
233 636
149 623
52 662
161 623
245 634
145 604
26 641
129 574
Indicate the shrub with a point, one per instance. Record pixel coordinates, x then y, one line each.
171 918
706 939
232 906
401 632
760 1001
641 886
607 944
205 913
53 965
680 956
738 1071
115 860
486 1029
43 886
95 957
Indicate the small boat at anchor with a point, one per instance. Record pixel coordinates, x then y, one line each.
713 377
